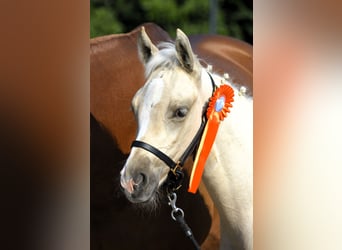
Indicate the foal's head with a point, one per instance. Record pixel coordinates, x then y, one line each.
168 109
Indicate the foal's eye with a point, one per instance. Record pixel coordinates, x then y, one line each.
181 112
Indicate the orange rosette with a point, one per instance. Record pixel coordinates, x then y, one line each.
218 108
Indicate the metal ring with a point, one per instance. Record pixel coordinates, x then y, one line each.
175 211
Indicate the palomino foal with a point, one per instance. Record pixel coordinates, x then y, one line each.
169 110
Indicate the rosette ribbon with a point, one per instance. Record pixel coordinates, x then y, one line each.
218 108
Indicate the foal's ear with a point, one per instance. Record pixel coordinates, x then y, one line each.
184 52
146 48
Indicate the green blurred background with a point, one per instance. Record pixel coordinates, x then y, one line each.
225 17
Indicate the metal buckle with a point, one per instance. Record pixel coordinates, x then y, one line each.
175 177
174 170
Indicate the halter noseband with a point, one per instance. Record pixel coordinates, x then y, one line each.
176 167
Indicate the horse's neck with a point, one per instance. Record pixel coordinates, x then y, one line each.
229 175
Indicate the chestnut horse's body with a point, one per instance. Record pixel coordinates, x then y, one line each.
116 74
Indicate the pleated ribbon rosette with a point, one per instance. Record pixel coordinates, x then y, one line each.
218 108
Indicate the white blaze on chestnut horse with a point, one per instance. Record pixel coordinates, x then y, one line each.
169 110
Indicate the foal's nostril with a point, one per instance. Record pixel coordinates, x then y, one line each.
139 180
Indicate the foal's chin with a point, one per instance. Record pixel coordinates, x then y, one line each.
146 200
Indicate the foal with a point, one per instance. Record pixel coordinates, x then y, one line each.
169 110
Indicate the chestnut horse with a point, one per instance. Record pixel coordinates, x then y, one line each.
114 220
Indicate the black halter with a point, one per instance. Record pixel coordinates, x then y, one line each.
176 167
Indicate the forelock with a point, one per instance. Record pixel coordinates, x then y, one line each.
166 58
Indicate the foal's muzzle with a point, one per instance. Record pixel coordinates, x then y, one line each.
139 186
